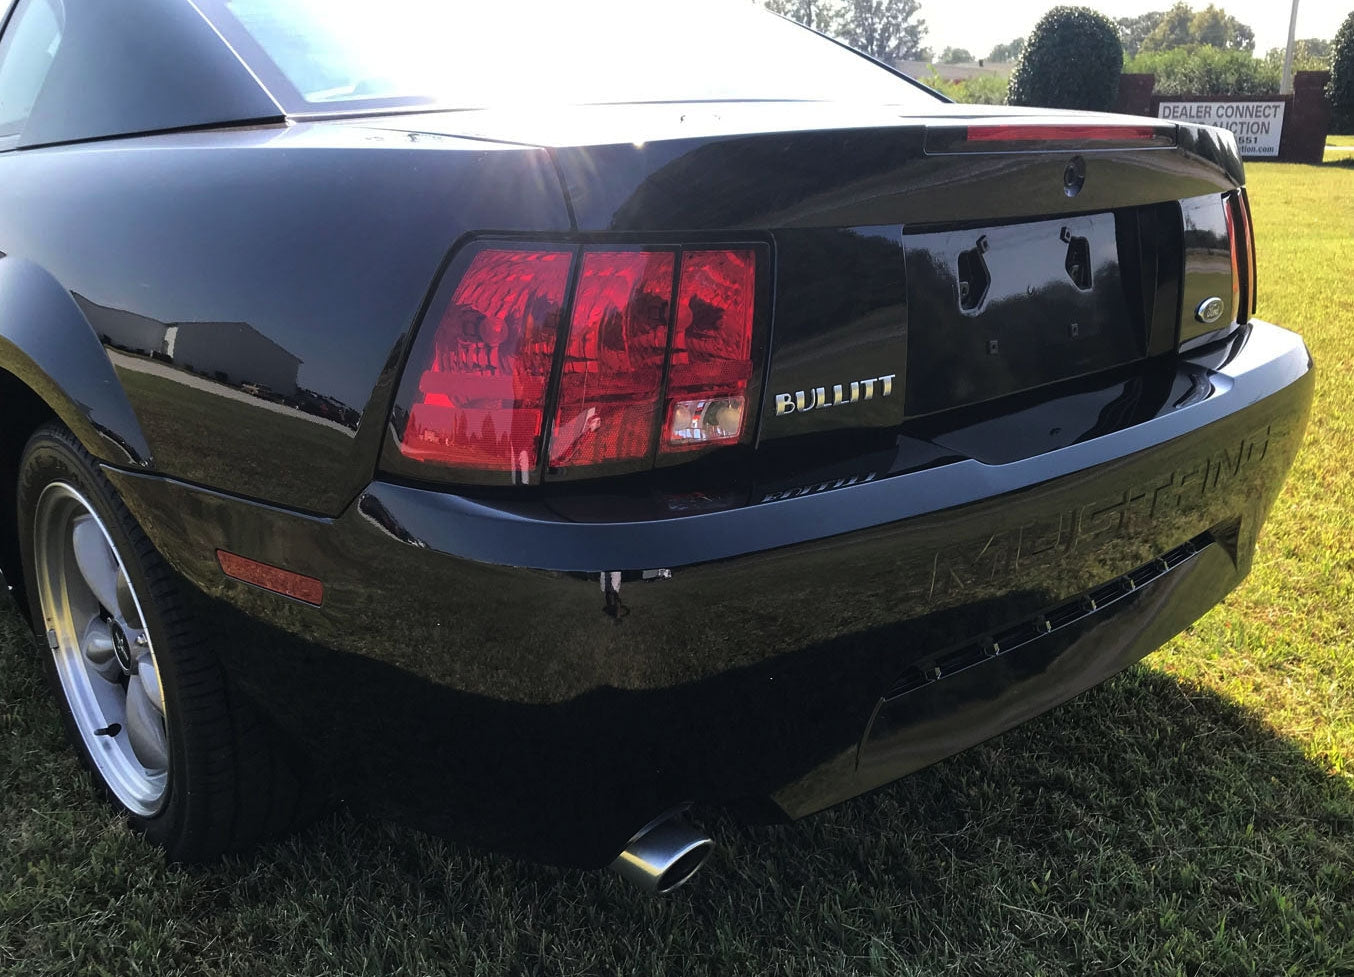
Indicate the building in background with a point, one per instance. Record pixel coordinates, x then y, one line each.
233 353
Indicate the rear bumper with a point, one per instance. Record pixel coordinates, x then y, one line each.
519 681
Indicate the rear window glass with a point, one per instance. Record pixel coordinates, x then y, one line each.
529 52
26 54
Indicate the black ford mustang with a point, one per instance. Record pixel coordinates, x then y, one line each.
532 421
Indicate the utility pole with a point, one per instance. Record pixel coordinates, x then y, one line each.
1286 85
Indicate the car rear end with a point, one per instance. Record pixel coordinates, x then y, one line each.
772 515
827 442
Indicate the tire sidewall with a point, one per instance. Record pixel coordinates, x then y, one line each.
48 458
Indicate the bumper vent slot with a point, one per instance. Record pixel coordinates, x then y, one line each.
1046 622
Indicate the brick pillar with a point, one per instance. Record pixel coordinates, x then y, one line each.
1135 94
1307 119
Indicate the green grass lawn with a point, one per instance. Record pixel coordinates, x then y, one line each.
1343 155
1193 816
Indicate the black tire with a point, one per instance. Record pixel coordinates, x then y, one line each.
229 784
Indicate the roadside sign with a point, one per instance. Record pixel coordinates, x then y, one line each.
1257 123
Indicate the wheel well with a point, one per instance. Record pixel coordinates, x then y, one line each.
24 412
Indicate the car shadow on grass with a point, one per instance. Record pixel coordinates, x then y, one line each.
1147 826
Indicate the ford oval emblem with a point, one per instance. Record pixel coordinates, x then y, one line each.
1209 310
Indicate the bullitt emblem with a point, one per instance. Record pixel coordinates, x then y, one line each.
838 395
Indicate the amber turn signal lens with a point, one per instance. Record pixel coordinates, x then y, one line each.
279 581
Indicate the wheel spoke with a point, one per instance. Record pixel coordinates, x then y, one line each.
97 647
146 727
126 604
98 566
101 648
150 681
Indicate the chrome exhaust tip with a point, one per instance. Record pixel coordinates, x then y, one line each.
663 855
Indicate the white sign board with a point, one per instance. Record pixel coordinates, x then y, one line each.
1256 125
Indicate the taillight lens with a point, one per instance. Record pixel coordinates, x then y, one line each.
653 351
1247 258
1241 245
481 397
613 360
1233 249
711 360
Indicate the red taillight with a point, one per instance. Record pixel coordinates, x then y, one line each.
613 360
711 350
1246 259
481 397
1059 133
657 357
1234 246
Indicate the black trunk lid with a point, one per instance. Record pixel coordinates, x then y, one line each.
920 269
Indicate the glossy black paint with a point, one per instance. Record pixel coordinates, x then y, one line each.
833 187
260 254
489 686
222 314
1208 263
73 378
997 310
329 311
253 308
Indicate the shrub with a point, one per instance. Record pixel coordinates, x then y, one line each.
984 89
1203 70
1341 88
1309 54
1072 60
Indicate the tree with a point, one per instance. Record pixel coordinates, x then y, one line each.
1340 91
885 29
811 13
1172 31
1315 48
1007 52
1309 54
1072 60
1203 70
1215 28
956 55
888 30
1134 30
1181 26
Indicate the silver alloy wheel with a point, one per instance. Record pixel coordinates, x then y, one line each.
103 652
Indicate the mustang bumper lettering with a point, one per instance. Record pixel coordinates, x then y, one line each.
467 673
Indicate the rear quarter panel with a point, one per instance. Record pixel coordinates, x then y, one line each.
254 288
